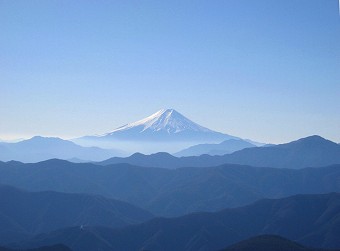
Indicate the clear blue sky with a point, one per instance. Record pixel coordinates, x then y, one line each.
260 69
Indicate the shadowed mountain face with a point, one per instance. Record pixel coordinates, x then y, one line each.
161 159
23 214
46 248
312 220
312 151
172 192
307 152
270 243
226 147
41 148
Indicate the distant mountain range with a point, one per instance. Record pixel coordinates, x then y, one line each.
226 147
43 148
222 192
172 192
166 130
161 160
312 151
24 214
312 220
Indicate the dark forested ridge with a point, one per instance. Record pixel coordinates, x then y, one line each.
312 220
46 248
172 192
24 214
270 243
68 202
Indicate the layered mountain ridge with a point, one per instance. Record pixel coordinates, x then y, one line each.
24 214
41 148
171 192
312 220
312 151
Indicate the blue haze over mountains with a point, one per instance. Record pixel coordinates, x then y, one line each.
248 161
20 210
312 151
215 192
171 192
43 148
165 130
214 231
225 147
168 129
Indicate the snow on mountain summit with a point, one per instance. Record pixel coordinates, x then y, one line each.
164 131
165 120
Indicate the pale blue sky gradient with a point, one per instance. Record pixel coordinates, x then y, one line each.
260 69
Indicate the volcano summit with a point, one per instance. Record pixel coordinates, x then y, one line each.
165 127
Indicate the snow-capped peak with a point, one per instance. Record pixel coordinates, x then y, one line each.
168 120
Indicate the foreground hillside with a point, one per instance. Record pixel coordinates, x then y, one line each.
269 243
172 192
312 220
24 214
46 248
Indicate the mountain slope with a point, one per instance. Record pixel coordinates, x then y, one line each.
312 151
161 159
23 213
165 125
313 220
46 248
227 146
41 148
269 243
172 192
164 131
165 120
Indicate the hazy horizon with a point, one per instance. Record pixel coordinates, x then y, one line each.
127 143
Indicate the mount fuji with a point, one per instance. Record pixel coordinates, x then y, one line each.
165 125
165 130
